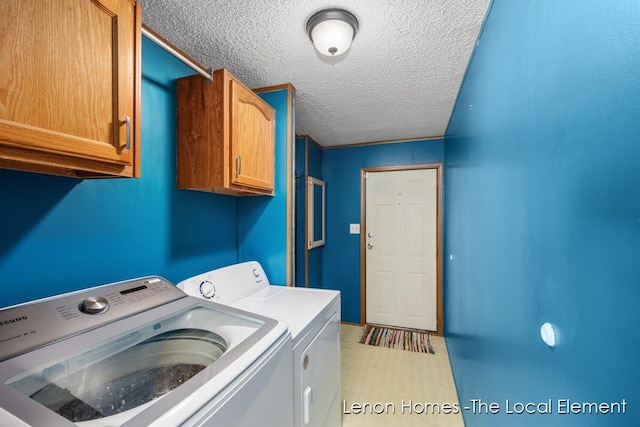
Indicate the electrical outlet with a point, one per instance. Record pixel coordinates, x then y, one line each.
354 228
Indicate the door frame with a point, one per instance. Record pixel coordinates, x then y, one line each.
363 227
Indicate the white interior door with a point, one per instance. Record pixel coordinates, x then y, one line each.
401 248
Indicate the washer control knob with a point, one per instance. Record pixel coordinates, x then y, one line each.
207 289
94 305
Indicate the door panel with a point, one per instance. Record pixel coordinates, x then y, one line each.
415 295
415 242
318 383
384 214
401 244
252 139
385 294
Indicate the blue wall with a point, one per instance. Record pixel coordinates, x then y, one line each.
341 172
309 265
542 212
62 234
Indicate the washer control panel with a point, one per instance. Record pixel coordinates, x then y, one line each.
27 326
227 285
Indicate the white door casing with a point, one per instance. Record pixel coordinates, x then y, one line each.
401 248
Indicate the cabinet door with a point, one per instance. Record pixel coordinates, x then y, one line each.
252 139
68 81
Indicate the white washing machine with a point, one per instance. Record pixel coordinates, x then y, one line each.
313 316
142 353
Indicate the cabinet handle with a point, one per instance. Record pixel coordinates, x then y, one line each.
238 166
127 124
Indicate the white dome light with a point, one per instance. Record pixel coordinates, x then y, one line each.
332 30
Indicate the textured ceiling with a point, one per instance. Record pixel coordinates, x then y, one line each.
399 80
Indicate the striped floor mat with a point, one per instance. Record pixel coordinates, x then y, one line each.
394 338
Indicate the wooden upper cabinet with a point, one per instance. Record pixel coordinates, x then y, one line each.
70 87
226 137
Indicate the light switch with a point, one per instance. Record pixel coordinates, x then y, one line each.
354 228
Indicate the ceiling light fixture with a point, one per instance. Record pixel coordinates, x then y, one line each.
332 31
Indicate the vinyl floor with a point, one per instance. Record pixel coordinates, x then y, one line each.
390 387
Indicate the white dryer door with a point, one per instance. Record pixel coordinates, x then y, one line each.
320 374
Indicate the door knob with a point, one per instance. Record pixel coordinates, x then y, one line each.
369 245
370 234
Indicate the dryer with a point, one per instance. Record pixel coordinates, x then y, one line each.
313 316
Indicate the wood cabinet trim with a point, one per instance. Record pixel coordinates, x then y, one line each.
44 140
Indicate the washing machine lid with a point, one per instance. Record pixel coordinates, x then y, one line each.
133 371
80 390
297 307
